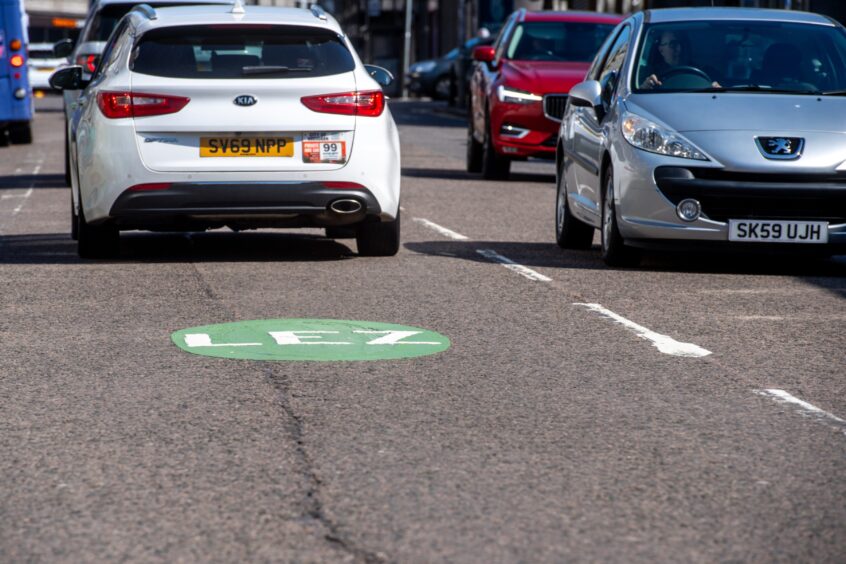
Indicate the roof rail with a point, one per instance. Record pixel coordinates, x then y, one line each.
146 10
521 17
318 12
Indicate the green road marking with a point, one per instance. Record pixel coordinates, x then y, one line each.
309 339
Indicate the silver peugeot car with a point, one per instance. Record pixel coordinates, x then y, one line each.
708 127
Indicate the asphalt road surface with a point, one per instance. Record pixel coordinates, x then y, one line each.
549 431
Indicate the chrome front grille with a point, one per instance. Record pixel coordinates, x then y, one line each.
554 106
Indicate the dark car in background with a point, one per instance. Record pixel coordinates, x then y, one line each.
432 77
462 69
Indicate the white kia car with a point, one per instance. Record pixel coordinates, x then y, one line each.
204 117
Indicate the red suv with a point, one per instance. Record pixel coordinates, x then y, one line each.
519 87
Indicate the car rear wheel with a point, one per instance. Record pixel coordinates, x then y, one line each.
96 241
614 250
474 150
378 239
21 134
570 233
494 166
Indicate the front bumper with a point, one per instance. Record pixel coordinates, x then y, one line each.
241 205
523 130
649 187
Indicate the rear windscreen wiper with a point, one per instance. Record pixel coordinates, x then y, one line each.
274 69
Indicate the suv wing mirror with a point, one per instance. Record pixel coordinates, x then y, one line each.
63 48
484 53
68 78
380 75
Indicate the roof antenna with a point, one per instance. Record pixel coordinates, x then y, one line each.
238 8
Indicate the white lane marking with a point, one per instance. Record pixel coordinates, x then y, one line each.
511 265
440 229
663 343
804 407
28 193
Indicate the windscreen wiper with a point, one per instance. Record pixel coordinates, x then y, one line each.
758 88
834 93
274 69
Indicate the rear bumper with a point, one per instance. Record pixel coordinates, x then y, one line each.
240 205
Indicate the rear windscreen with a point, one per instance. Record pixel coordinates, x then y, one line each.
236 51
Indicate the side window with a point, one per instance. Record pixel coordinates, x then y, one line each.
504 38
106 58
596 66
609 74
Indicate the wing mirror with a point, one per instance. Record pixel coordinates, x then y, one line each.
587 94
484 53
380 75
68 78
63 48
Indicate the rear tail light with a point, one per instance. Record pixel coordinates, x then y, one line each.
343 185
115 105
370 103
88 62
16 61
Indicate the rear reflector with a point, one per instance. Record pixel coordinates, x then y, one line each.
115 105
369 103
343 185
16 61
149 187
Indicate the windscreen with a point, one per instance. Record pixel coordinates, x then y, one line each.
236 51
741 56
557 41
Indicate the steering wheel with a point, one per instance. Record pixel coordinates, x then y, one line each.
686 70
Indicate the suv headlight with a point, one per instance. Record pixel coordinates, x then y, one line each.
515 96
650 136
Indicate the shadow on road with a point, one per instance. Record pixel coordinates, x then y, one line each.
58 248
32 181
549 255
429 114
464 175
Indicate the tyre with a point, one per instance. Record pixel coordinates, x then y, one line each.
67 159
474 149
74 221
494 167
96 241
4 139
21 133
614 251
570 232
378 239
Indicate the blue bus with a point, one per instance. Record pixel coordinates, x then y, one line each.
15 93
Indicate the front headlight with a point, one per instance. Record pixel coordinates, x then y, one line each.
650 136
515 96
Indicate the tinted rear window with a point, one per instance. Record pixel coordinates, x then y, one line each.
241 51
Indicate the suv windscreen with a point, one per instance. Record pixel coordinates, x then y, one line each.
239 51
557 41
730 56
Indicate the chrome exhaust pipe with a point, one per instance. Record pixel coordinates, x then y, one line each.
345 207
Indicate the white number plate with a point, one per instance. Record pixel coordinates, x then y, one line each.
756 230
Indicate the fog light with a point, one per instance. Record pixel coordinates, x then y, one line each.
20 93
689 210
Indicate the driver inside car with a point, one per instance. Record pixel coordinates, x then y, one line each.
670 52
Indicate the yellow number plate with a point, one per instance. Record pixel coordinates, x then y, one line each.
246 146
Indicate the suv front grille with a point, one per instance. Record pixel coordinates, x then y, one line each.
554 106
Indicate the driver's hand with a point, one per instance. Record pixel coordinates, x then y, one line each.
651 82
